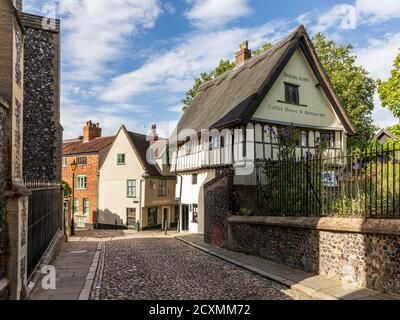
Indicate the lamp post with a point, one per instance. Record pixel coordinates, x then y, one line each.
73 168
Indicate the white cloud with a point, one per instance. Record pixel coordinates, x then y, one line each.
378 57
175 70
341 16
372 11
96 30
212 13
177 109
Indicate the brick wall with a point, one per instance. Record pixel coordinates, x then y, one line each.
90 171
42 134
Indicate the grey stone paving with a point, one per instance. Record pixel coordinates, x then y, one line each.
166 269
72 267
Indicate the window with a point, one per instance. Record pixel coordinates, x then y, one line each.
81 222
82 161
86 209
304 139
131 217
131 189
162 188
76 206
292 93
121 159
194 179
81 182
195 213
64 161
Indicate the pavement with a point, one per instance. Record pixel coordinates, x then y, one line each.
75 268
311 285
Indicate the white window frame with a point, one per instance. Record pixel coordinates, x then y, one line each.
81 182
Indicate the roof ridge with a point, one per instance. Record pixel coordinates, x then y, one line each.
300 30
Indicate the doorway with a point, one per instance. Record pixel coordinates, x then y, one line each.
152 217
165 218
185 218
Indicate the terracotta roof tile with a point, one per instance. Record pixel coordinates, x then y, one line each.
80 147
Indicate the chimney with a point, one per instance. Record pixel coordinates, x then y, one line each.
153 140
243 54
91 131
18 5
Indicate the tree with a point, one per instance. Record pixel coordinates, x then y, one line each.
198 82
395 130
353 85
266 46
389 91
224 66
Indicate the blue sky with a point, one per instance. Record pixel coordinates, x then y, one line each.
131 61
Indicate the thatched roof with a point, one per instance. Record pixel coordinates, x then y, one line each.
235 96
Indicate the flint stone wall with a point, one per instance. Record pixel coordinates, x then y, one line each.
3 176
359 252
42 130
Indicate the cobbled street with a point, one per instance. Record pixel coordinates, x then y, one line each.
166 269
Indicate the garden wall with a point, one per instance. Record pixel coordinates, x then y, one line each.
359 252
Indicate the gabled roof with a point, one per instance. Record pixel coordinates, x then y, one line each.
235 96
386 132
75 147
140 144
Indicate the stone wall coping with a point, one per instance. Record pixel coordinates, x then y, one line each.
353 225
4 103
4 284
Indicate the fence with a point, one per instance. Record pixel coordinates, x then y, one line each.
365 184
45 218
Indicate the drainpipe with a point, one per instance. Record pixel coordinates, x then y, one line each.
140 203
180 202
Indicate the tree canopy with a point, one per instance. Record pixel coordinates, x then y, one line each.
353 85
389 91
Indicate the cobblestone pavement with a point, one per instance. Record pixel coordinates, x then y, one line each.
166 269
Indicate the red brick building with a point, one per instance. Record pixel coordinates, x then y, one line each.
89 152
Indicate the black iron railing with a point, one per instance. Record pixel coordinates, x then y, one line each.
363 184
44 219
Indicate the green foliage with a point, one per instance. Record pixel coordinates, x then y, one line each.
395 130
353 85
389 91
67 190
223 66
266 46
198 82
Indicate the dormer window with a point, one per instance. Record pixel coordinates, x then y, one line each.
292 95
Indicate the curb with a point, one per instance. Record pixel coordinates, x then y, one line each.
95 293
299 288
87 288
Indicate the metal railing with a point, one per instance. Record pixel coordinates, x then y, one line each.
44 220
364 184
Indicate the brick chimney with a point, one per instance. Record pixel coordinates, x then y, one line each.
91 131
153 139
243 54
